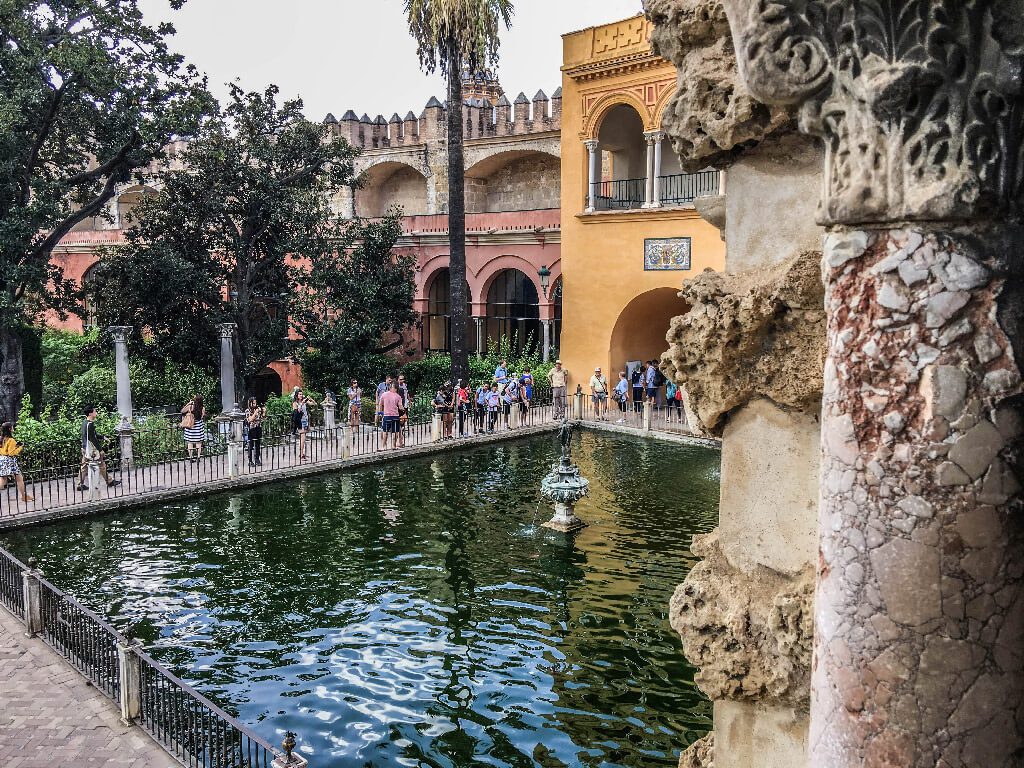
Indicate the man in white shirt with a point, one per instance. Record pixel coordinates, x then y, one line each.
599 394
559 379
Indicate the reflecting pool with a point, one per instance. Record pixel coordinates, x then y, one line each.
417 614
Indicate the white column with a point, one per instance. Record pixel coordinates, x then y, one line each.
479 336
227 367
721 182
592 177
119 333
659 137
546 331
649 178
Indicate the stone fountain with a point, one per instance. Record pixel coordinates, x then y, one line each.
564 486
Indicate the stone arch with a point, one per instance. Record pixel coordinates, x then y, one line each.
604 105
90 310
658 113
128 199
483 279
512 299
392 182
640 329
514 180
426 274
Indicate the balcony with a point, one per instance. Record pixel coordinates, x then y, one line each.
486 223
676 189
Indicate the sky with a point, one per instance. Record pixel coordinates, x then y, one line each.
357 54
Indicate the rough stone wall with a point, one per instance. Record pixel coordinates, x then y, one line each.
526 184
712 118
759 333
701 753
749 633
404 188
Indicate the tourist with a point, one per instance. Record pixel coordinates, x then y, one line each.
302 403
621 395
193 421
674 397
599 394
254 416
501 373
354 393
480 413
510 396
493 405
443 406
558 377
390 405
92 449
383 387
461 405
10 449
525 395
403 390
637 383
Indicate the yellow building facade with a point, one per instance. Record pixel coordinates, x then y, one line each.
630 234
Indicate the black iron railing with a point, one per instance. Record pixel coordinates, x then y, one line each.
188 725
682 188
191 727
621 194
12 592
81 637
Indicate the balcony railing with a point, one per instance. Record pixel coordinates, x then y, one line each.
677 189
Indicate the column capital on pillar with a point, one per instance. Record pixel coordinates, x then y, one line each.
227 330
591 144
919 133
655 136
119 333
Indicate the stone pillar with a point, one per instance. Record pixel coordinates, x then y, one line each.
233 421
577 404
592 173
93 479
748 357
659 137
31 589
129 666
545 326
347 437
649 170
648 411
435 428
227 367
919 608
119 333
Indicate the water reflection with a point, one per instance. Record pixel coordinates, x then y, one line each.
416 614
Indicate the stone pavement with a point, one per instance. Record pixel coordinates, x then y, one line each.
51 718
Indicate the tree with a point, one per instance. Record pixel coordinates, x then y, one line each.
227 238
88 95
353 306
459 38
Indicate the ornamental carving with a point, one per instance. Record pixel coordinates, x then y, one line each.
918 101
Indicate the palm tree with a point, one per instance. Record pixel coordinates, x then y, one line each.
459 38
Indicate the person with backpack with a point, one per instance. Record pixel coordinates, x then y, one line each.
655 381
674 398
480 411
493 405
511 398
637 385
621 395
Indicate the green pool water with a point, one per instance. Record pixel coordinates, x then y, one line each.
416 614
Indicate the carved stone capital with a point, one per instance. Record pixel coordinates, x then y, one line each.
919 102
227 330
119 333
591 145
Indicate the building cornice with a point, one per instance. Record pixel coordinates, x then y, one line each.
663 213
620 65
542 236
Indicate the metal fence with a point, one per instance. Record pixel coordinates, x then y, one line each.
57 476
674 189
682 188
188 725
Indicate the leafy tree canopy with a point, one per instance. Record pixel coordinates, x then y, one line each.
89 94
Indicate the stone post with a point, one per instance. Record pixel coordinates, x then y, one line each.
592 171
234 421
919 607
648 414
227 367
330 425
126 438
577 404
347 437
93 479
435 428
31 589
130 669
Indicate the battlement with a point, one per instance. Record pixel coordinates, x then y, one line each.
482 120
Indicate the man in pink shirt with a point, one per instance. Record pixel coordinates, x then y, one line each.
389 404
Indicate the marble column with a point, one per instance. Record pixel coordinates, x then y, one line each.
919 606
120 333
649 171
658 138
546 333
227 367
479 321
593 178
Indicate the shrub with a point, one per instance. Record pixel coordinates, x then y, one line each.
96 386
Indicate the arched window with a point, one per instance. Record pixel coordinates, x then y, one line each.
623 166
513 311
437 328
90 311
